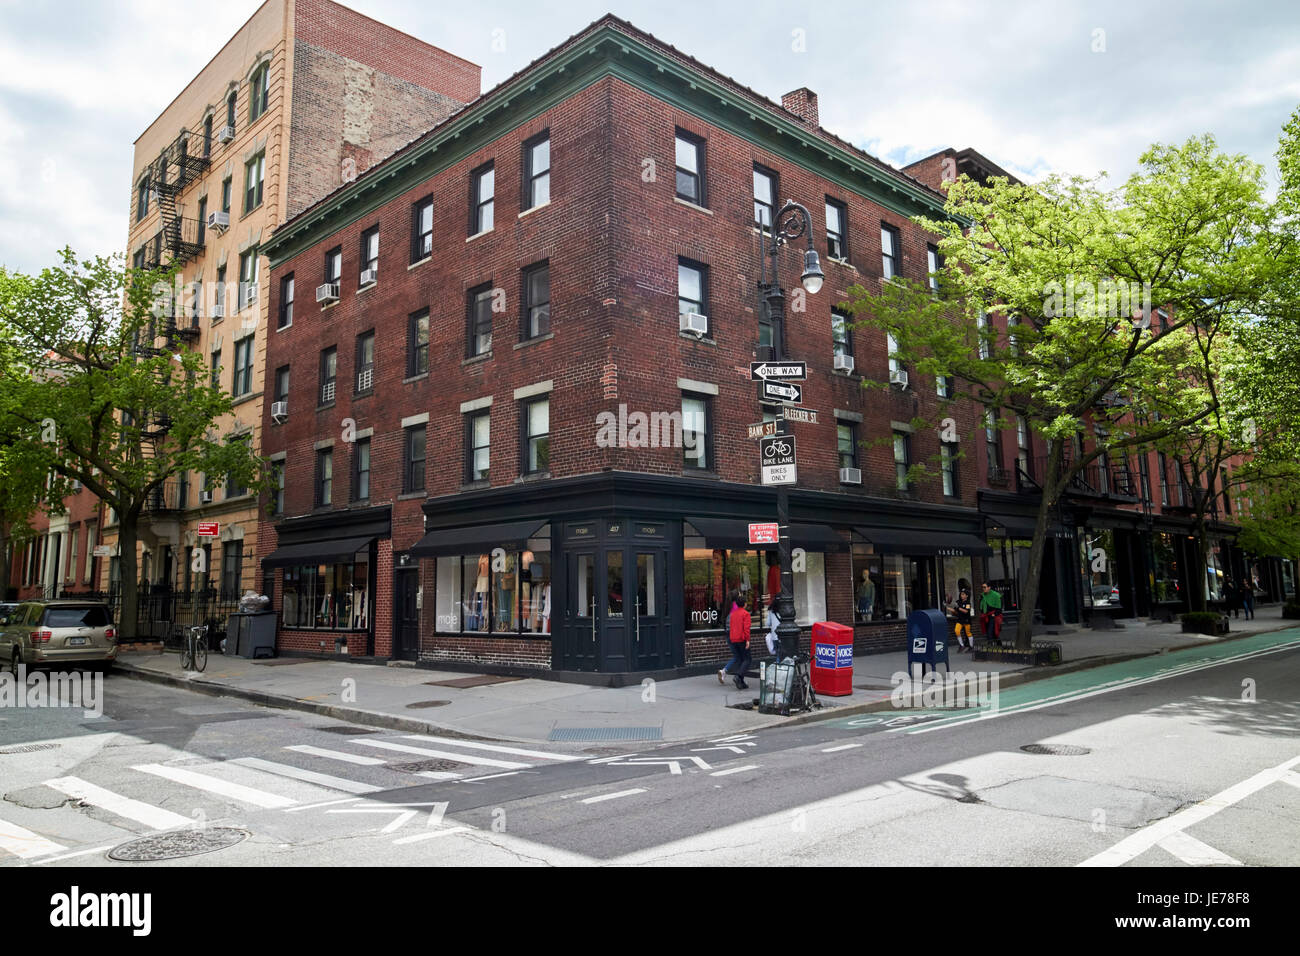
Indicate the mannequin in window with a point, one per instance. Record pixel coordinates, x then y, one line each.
866 596
480 591
526 590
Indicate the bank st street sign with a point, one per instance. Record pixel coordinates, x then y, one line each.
776 457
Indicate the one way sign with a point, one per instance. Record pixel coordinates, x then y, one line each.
784 371
781 392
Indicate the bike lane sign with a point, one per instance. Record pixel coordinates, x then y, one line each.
776 456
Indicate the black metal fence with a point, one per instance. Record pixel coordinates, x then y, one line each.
164 613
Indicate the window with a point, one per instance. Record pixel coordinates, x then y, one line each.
1013 345
286 302
203 221
836 231
277 487
889 251
365 362
841 339
334 266
765 190
221 294
216 368
477 451
248 263
232 568
329 364
230 108
537 436
137 261
891 349
993 445
369 255
537 300
142 200
324 477
695 432
361 469
481 199
225 194
1023 460
478 330
1223 489
281 385
948 468
1144 474
413 459
327 596
902 460
417 343
943 386
207 135
982 331
692 288
537 171
933 264
690 168
257 92
1163 464
422 229
846 440
474 593
242 382
254 170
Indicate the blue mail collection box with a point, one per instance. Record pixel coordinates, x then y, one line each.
927 639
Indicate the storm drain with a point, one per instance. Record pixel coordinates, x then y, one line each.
347 730
419 704
572 734
425 766
28 749
178 843
1056 750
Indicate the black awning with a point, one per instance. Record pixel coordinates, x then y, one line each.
512 536
911 541
329 551
733 533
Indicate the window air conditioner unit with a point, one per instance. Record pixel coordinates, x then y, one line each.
219 220
205 497
279 411
250 293
898 377
219 311
369 276
76 485
694 323
329 292
225 134
844 363
850 476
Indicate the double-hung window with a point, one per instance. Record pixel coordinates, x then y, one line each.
203 221
422 230
324 477
902 460
765 189
982 332
537 300
841 335
890 252
693 289
226 189
242 382
286 302
690 168
365 362
933 265
257 95
329 366
216 368
142 199
891 350
537 436
482 199
417 343
846 441
281 393
230 109
254 173
477 446
277 487
248 263
993 445
369 256
948 468
695 432
413 459
837 246
334 266
478 327
537 171
361 469
220 303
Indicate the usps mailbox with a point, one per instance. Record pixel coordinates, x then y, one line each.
832 661
927 640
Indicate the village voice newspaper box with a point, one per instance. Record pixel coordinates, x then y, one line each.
927 640
832 659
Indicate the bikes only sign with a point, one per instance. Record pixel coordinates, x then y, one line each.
776 457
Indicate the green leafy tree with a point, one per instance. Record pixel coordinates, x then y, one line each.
109 400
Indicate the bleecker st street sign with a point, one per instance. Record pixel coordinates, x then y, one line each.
774 371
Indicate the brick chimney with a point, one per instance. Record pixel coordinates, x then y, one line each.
803 104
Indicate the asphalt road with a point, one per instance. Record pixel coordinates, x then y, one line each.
1161 736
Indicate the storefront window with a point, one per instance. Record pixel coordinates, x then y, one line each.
497 591
1216 571
327 596
1166 567
1097 564
955 574
710 574
1005 568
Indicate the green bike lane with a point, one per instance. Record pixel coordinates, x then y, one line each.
1061 689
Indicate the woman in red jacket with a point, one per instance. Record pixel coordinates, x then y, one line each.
738 624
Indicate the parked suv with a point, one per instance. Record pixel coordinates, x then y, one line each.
58 632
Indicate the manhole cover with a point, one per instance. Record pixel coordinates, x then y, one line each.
424 766
28 749
1056 750
426 703
347 730
606 733
178 843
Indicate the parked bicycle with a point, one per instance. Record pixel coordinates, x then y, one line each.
194 652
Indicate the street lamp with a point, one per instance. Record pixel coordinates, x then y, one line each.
788 225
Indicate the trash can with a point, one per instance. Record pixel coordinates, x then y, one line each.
250 634
832 662
927 639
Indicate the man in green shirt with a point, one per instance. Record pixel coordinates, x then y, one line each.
991 614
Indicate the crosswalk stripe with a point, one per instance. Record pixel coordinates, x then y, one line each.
156 818
25 844
495 748
1193 852
336 755
311 776
445 755
730 770
614 796
201 781
831 750
431 835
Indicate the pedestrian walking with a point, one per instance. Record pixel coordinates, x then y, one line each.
1232 597
991 614
1248 598
738 624
962 615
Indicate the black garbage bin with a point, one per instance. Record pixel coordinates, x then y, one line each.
250 634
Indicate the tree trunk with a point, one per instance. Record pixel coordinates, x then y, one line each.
1196 572
1029 596
4 561
126 539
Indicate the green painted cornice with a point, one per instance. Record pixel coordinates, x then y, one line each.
588 58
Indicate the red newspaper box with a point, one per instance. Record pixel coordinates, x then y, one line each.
832 659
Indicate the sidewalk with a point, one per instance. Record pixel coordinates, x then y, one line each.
531 710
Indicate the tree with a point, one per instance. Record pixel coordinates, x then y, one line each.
1074 269
102 404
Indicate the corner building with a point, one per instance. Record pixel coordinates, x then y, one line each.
500 445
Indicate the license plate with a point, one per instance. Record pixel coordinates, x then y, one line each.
76 641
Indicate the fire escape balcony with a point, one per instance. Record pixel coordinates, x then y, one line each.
164 499
182 239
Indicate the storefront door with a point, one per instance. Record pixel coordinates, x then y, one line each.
652 634
579 649
406 620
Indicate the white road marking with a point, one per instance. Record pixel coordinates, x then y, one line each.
731 770
731 739
201 781
610 759
445 755
734 748
337 755
674 764
495 748
311 776
1193 852
69 856
431 835
438 774
1292 778
156 818
614 796
25 844
1138 843
326 803
491 776
831 750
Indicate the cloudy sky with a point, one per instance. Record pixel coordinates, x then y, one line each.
1075 87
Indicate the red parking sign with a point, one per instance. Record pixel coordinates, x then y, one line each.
766 533
209 529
